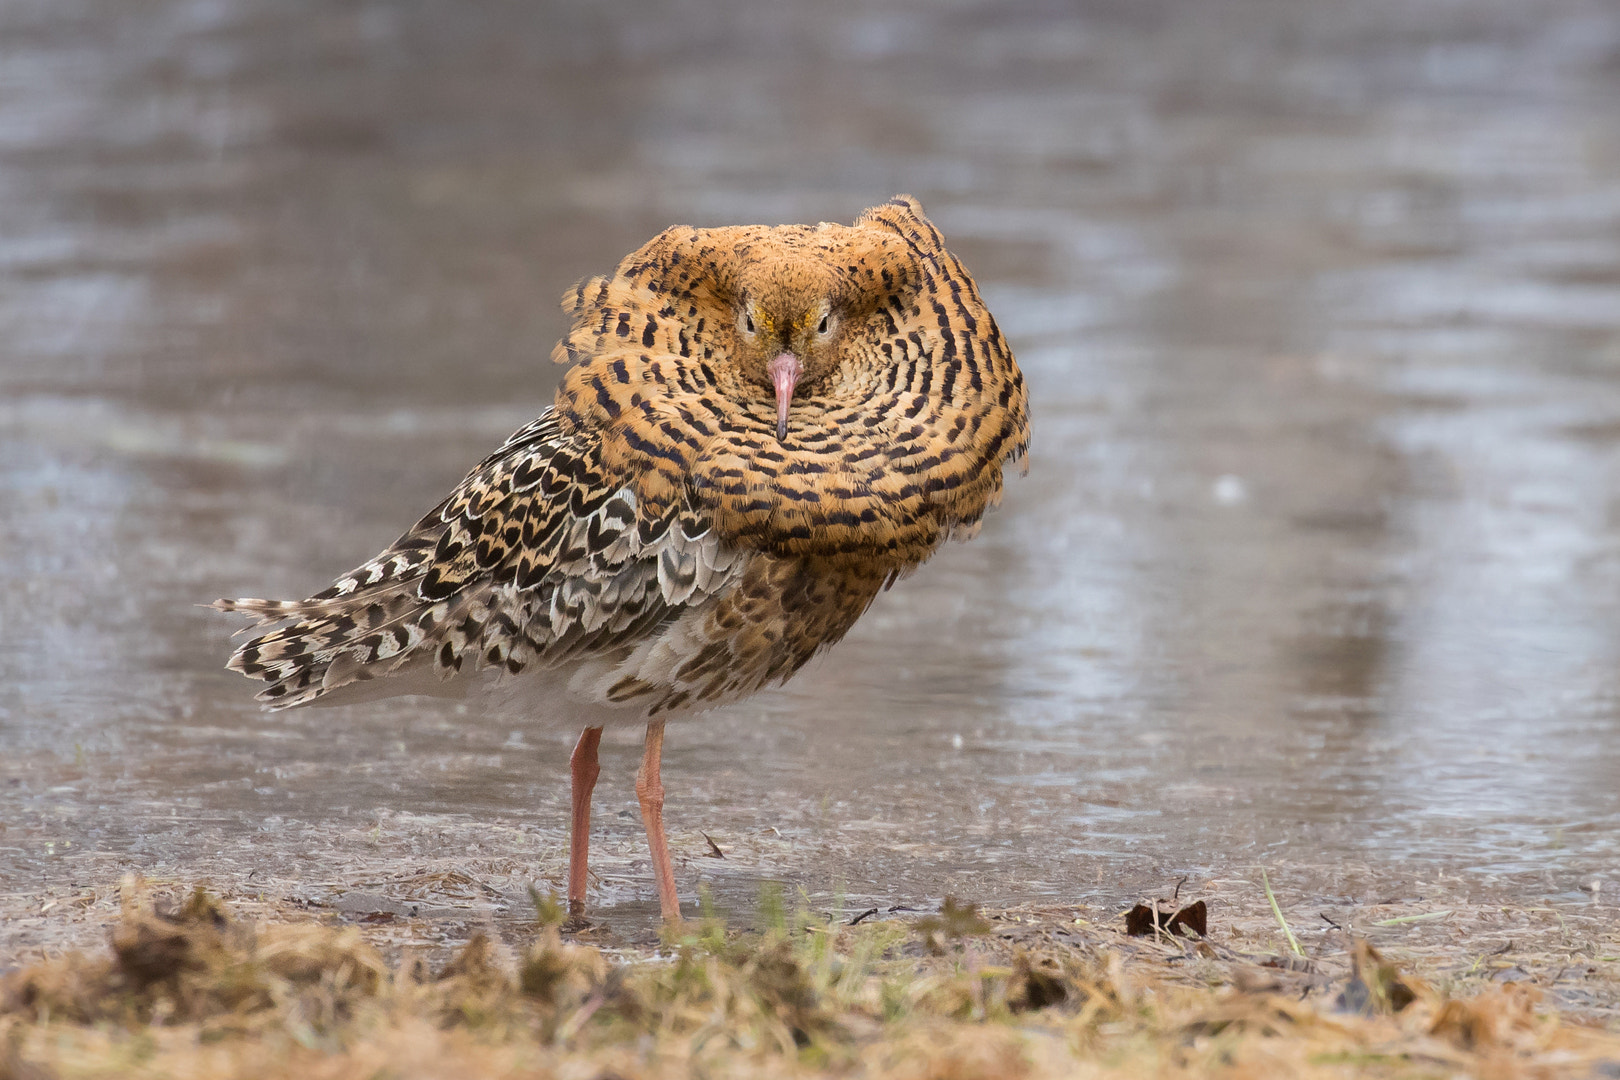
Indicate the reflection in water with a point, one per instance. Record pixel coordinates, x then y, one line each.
1316 564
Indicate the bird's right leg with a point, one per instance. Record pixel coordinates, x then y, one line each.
583 770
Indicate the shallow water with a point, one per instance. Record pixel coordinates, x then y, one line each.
1317 566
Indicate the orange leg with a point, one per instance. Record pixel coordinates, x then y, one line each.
583 769
650 792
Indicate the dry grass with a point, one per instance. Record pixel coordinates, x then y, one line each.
189 991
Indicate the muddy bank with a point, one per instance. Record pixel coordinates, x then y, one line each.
190 986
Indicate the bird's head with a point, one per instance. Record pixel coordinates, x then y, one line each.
789 316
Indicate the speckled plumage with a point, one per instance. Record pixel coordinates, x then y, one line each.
648 534
760 429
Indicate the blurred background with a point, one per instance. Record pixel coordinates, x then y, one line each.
1316 568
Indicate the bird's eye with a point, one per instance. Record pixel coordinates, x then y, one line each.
822 329
748 322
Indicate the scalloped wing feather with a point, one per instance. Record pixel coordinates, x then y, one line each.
536 559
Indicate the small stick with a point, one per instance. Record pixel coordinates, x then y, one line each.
578 1020
1277 911
868 913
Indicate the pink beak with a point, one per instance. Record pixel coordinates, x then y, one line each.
784 372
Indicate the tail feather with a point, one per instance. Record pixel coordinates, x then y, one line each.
324 645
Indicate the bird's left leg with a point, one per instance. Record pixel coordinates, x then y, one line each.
650 793
583 771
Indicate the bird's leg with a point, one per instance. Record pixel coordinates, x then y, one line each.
583 770
650 793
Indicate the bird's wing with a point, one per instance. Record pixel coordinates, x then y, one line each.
538 557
